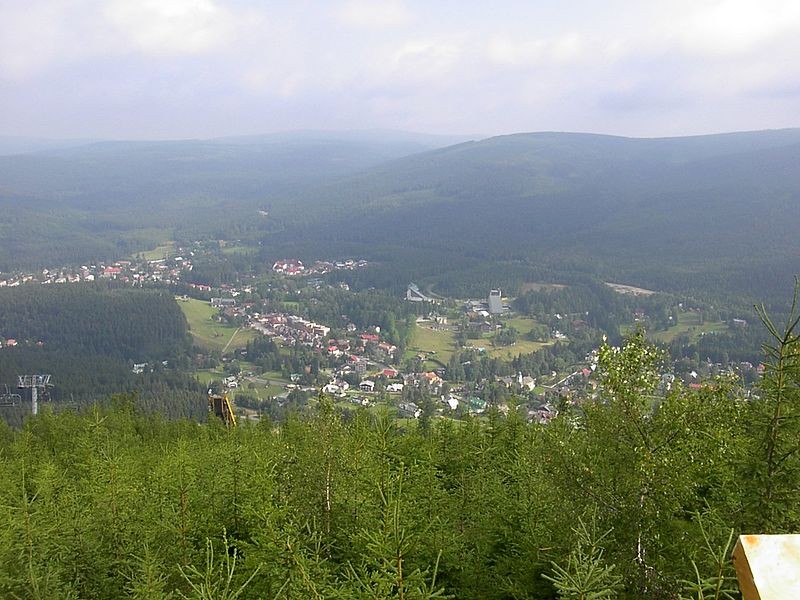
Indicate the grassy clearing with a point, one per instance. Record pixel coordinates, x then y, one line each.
541 287
630 289
520 347
207 332
255 388
229 250
688 323
425 339
443 343
206 376
276 383
523 325
164 250
507 352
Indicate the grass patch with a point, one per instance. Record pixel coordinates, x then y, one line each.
276 383
291 307
520 347
208 375
207 332
524 325
441 342
688 323
243 250
164 250
541 287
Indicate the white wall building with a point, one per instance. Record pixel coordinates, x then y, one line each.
495 302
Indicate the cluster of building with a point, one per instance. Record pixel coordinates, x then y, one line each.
294 267
492 306
289 329
127 271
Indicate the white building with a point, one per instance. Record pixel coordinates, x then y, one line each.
495 302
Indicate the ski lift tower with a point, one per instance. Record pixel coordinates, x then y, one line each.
34 383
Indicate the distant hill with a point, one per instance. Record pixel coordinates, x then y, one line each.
11 144
110 198
715 211
670 212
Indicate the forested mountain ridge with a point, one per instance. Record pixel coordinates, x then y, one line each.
663 213
110 199
713 211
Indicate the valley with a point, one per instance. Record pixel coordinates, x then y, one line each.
440 308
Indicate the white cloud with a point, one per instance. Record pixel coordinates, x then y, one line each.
506 51
38 33
736 27
513 65
374 14
421 60
571 48
173 26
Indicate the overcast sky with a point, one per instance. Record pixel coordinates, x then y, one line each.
204 68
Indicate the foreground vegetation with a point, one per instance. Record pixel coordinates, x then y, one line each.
620 496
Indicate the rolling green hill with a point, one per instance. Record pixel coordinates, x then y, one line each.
711 212
663 213
113 198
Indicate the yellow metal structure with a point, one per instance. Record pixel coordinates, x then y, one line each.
221 406
768 566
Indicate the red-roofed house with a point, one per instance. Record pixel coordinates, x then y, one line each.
111 271
289 266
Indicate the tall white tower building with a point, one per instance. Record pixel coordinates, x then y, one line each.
495 302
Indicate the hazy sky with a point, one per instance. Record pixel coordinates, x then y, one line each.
203 68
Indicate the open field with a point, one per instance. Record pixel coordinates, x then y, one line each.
255 388
442 342
229 250
163 251
276 383
509 352
206 376
541 287
209 333
523 325
688 322
291 307
629 289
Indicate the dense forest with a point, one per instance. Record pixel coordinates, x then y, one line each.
88 337
684 214
111 199
629 495
699 215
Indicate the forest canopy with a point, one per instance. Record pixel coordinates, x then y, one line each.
630 495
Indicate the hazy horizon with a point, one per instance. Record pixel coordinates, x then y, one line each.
344 133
